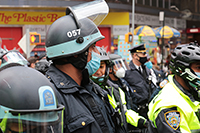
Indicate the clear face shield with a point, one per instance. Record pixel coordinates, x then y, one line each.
13 57
119 67
119 63
38 121
95 11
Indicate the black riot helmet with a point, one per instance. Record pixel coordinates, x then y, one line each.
104 57
181 59
28 102
74 33
67 37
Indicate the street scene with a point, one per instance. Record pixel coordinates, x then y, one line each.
100 66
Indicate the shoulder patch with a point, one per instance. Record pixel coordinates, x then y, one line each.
163 83
173 119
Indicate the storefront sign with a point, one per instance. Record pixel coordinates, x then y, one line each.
120 29
42 29
153 21
19 18
193 30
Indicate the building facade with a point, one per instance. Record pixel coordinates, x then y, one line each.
37 15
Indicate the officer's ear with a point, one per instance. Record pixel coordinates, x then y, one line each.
134 55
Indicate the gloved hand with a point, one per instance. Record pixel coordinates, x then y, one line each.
142 123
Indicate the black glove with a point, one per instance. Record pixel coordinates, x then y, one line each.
142 123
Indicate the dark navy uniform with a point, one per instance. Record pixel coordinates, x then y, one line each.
130 95
85 111
140 85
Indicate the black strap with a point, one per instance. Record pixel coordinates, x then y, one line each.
122 115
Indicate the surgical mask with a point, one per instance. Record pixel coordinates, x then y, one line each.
99 79
198 74
149 64
120 73
94 64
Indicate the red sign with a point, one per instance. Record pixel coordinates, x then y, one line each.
193 30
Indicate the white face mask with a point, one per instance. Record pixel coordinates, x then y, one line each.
120 73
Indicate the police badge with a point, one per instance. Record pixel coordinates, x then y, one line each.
173 119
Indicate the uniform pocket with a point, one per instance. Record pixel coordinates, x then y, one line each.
80 121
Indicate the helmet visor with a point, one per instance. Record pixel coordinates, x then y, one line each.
13 57
96 11
119 63
40 121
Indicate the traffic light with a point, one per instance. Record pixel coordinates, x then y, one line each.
129 38
35 38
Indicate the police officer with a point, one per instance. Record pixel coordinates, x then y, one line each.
116 75
28 102
116 96
138 78
176 107
70 45
156 75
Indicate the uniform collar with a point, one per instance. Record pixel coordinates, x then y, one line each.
186 92
132 66
61 80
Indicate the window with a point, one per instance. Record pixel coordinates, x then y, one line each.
154 3
160 3
140 2
167 3
147 2
176 3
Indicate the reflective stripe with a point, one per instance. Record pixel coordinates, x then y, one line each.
4 122
70 47
132 117
122 96
112 101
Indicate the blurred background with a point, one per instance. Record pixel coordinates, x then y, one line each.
16 16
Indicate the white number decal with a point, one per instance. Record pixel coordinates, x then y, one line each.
74 32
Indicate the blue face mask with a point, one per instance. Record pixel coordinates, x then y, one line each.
100 79
94 64
149 64
198 74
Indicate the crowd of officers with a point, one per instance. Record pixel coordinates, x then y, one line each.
92 91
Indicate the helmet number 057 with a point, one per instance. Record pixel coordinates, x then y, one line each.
74 32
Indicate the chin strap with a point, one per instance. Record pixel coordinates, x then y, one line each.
79 62
194 91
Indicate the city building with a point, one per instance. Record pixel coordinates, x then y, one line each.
16 16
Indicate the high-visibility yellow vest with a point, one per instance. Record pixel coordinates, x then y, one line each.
131 116
171 96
